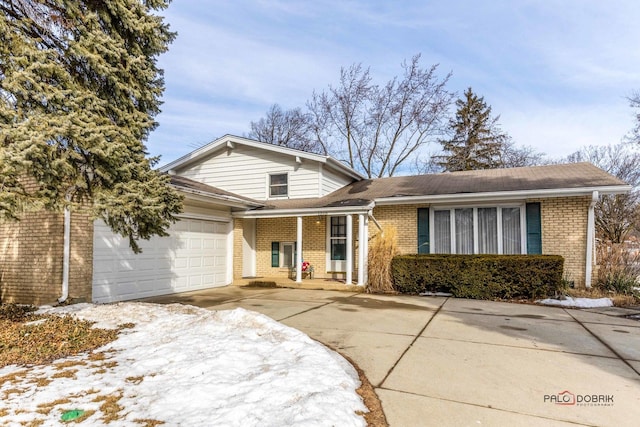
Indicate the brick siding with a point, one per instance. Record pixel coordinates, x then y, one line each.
564 230
404 218
237 248
31 252
284 230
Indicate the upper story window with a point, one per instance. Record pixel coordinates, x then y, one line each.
278 185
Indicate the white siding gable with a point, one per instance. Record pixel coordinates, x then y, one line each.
245 170
332 181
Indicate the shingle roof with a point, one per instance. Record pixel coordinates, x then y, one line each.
551 177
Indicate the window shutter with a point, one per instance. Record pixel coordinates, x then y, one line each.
534 229
423 231
275 254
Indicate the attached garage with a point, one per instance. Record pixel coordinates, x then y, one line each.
195 255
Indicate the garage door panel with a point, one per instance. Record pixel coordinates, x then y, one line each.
192 257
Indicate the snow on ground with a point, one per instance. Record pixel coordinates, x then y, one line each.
189 366
578 302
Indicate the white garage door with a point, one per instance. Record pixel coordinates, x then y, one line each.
194 256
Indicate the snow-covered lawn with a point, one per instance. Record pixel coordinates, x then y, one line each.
578 302
188 366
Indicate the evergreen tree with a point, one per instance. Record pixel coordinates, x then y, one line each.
476 141
79 90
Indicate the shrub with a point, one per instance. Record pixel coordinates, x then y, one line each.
382 249
479 276
619 269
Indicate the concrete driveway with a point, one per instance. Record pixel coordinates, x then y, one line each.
457 362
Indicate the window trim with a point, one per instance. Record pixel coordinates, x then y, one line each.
333 238
499 207
269 185
293 254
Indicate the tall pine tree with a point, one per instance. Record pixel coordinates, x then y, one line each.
476 141
79 90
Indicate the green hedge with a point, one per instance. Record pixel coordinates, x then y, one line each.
479 276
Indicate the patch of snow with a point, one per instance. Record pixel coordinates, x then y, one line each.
435 294
578 302
189 366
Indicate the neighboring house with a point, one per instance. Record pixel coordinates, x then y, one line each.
249 206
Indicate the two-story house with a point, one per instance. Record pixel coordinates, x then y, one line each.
259 210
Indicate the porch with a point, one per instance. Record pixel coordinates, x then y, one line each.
331 243
311 284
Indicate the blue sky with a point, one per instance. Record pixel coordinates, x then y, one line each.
557 71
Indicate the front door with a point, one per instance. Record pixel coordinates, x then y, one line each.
337 244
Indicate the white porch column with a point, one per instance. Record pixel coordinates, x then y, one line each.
365 234
349 249
361 247
299 249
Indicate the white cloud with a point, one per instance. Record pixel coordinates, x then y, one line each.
560 131
557 71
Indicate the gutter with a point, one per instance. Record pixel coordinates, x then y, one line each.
503 195
66 252
279 213
591 231
375 221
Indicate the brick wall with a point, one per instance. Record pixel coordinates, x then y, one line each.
237 248
284 230
564 232
405 220
31 252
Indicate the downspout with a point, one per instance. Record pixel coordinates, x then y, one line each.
66 251
591 231
370 214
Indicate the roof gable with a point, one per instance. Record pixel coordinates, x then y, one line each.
230 141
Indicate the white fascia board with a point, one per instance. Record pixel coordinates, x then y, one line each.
204 217
281 213
503 195
233 202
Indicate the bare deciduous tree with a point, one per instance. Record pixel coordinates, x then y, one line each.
514 156
290 128
634 100
374 129
616 215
